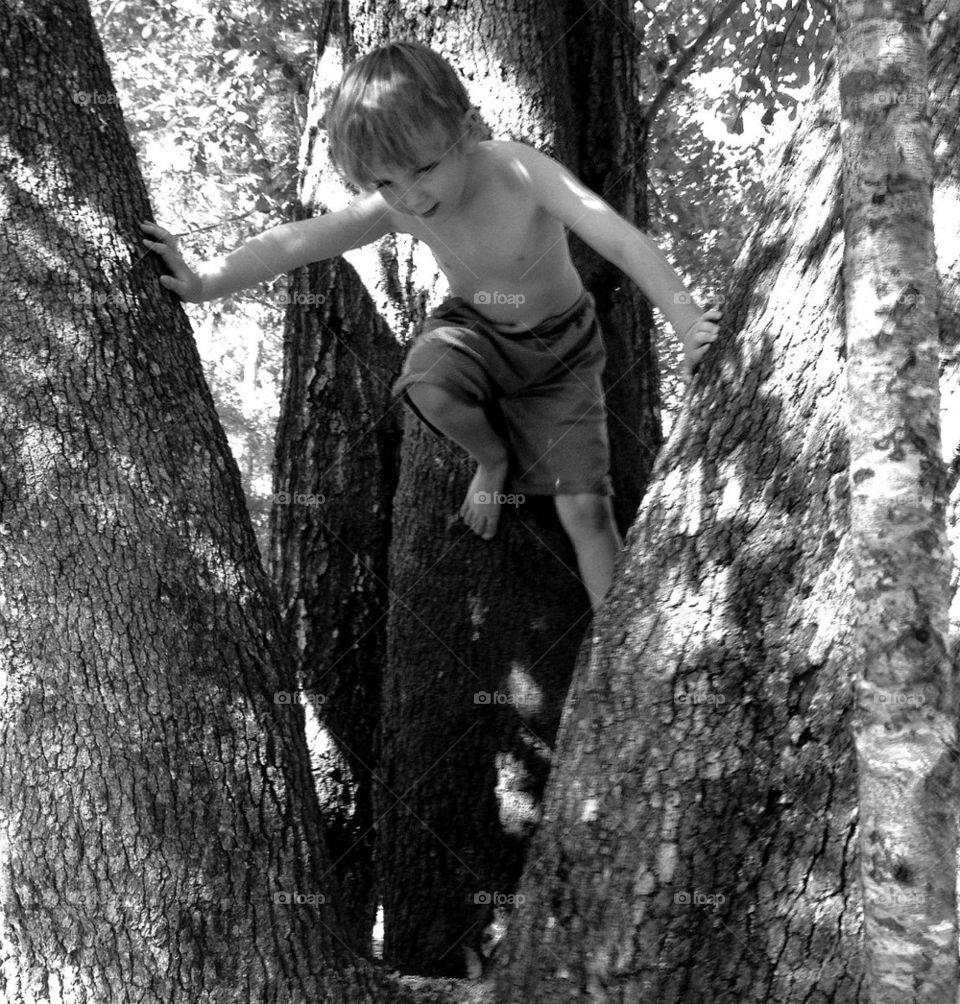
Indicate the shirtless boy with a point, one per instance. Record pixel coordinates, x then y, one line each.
509 366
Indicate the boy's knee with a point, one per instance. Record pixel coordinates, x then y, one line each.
431 400
585 514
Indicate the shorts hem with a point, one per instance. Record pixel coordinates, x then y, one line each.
604 488
404 383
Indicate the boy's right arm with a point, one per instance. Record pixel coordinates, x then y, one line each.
280 249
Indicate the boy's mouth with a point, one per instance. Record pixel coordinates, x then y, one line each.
430 211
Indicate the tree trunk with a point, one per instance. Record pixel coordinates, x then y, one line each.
699 830
337 450
469 620
160 833
905 720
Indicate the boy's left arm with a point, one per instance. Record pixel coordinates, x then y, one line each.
622 244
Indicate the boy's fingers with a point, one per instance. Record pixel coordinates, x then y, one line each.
168 253
176 285
152 228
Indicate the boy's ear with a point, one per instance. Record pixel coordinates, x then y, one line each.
474 126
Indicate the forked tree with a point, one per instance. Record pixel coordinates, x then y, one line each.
481 637
699 839
160 838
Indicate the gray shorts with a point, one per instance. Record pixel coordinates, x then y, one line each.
541 390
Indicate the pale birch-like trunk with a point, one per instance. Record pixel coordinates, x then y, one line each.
905 723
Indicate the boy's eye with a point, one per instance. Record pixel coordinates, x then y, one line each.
429 167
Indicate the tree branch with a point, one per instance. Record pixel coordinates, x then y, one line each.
684 58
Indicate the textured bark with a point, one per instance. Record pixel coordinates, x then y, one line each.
699 831
462 780
159 832
602 54
334 477
905 722
337 451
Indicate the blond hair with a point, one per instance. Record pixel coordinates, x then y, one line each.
385 103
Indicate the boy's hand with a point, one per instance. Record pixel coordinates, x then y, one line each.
697 340
184 281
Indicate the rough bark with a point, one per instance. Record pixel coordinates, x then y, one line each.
905 719
462 780
699 832
335 472
334 477
159 832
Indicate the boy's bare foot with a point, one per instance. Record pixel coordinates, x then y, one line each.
480 509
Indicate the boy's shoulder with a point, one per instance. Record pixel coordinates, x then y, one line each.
509 150
513 161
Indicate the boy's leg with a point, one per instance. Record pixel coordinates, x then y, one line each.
467 425
589 523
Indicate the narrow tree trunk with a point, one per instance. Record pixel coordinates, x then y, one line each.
159 832
699 831
334 478
463 780
335 473
602 72
905 724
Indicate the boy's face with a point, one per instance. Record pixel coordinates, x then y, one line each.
434 187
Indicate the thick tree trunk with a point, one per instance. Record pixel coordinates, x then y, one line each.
159 832
905 726
699 831
468 619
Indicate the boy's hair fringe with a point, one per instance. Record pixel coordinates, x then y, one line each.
388 99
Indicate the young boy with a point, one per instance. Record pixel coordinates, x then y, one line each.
508 367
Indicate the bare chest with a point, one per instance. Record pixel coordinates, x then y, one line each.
510 240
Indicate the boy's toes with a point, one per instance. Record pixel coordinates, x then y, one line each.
488 527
